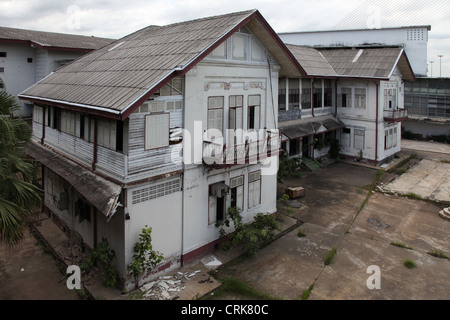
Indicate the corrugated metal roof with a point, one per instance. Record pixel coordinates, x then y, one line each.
98 191
312 60
54 40
116 75
363 62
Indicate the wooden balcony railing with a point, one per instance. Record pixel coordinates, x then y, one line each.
398 115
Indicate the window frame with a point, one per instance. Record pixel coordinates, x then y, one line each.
148 147
360 99
256 124
252 181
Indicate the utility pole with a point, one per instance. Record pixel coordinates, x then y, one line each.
431 63
440 64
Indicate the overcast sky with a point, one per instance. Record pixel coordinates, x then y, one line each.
117 18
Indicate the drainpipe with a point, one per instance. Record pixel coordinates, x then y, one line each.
335 97
94 160
183 125
43 125
312 97
376 123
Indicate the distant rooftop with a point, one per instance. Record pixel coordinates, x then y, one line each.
52 40
428 27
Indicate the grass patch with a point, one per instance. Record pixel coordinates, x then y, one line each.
307 292
438 254
401 245
300 234
412 195
330 256
409 264
235 286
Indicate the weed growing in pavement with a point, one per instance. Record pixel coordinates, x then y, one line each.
401 245
409 264
330 256
438 254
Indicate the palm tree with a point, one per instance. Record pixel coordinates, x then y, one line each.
18 196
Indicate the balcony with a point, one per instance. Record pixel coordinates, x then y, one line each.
398 115
219 156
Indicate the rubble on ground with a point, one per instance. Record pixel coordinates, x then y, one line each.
167 287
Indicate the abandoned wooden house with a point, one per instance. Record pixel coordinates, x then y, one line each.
352 95
127 135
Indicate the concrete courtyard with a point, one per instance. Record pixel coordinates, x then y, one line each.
332 217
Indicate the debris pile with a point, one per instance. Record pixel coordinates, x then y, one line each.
167 287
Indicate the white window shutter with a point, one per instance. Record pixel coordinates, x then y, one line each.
240 197
212 210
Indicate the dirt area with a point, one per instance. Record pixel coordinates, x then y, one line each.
29 272
337 213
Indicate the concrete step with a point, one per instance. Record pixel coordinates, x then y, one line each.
445 214
311 164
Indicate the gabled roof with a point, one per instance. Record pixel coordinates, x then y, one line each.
52 40
116 79
377 63
368 62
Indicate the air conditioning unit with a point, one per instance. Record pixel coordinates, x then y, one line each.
219 190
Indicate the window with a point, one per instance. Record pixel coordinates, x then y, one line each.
38 114
294 94
254 109
2 69
254 189
360 98
3 54
69 121
306 94
235 121
345 100
106 133
390 138
216 207
215 115
318 93
173 88
294 147
345 137
390 99
328 93
2 84
29 60
282 94
237 192
157 131
359 139
239 44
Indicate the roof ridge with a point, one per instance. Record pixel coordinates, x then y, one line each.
53 33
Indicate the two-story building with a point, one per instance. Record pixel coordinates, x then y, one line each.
166 127
27 56
354 95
